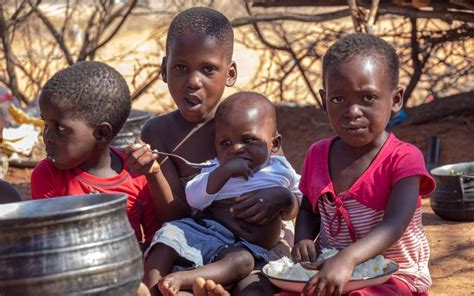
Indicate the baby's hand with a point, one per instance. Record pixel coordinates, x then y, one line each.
334 273
261 206
141 160
238 167
304 251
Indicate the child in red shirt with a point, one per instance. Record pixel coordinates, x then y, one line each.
362 188
83 107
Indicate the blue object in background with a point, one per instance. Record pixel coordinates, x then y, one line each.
398 118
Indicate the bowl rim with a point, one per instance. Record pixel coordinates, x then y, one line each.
392 263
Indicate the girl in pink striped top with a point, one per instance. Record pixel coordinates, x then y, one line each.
362 188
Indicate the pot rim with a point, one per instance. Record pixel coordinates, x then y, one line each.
66 206
448 169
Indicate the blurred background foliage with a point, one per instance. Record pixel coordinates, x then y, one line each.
279 44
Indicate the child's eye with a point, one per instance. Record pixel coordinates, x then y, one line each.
209 70
337 100
60 128
180 68
369 98
225 143
249 141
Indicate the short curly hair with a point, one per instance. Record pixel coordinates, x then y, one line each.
203 20
362 44
92 91
246 100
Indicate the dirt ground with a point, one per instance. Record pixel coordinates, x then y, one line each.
452 243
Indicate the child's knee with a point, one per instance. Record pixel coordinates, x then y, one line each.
243 263
157 253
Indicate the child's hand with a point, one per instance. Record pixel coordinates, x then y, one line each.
261 206
334 273
238 167
304 251
281 249
141 160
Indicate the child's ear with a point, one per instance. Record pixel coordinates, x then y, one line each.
322 94
276 143
231 74
163 70
103 134
397 100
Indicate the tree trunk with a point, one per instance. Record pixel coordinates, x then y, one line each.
457 104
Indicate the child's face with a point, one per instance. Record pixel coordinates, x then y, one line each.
247 135
69 141
197 70
359 98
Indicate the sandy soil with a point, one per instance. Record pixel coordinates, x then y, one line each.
452 243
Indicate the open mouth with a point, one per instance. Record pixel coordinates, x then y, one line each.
192 102
50 155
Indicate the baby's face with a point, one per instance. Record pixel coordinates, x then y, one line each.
197 71
247 135
69 141
359 99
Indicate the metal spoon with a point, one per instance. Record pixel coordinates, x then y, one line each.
201 165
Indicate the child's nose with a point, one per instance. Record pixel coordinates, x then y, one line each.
237 148
48 135
354 111
194 80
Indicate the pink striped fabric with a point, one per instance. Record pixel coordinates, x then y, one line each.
350 215
411 251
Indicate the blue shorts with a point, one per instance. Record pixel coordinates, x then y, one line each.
201 242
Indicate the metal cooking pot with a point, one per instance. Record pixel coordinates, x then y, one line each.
453 198
131 129
81 245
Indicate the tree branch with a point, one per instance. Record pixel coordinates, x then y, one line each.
56 35
445 15
370 21
302 72
257 18
383 9
355 15
151 79
86 40
416 64
115 30
12 79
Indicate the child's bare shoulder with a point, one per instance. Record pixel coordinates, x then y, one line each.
159 129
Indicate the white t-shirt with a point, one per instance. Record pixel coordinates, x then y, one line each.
278 172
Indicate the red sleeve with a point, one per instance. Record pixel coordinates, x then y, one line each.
43 180
149 220
305 174
409 163
307 177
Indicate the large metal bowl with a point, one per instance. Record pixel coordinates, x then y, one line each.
297 286
81 245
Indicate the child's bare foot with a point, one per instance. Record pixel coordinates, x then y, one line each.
202 287
170 284
142 290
